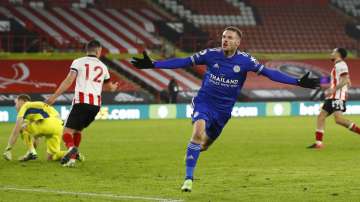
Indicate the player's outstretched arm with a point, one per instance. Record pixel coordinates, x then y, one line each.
12 139
147 63
65 84
304 81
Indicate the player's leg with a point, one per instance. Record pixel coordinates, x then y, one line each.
326 110
72 149
81 116
194 147
53 147
206 143
340 120
31 153
77 138
320 128
193 152
53 142
73 123
28 133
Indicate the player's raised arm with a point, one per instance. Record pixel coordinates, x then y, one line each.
65 84
147 63
278 76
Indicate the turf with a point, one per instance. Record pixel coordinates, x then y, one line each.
255 159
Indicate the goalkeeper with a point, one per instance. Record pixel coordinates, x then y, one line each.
35 120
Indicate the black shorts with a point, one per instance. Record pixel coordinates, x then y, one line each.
332 105
81 115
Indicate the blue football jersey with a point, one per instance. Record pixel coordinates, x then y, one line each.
224 77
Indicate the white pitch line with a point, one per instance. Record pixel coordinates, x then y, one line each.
103 195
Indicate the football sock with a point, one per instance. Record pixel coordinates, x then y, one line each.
319 136
354 128
192 155
77 139
68 140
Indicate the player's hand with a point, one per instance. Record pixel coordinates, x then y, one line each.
307 82
143 63
7 154
114 86
50 100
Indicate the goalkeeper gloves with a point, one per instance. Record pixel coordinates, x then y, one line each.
307 82
7 154
143 63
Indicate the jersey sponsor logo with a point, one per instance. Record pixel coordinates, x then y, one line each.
217 80
237 68
216 65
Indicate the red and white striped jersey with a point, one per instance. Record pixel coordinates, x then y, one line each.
91 74
339 70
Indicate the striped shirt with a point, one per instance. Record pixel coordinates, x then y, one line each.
91 74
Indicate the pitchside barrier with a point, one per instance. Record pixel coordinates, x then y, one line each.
179 111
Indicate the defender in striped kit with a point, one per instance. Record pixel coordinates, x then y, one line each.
335 98
91 76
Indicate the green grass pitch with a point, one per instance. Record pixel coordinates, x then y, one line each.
255 159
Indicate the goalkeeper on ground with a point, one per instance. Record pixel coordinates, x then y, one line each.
35 120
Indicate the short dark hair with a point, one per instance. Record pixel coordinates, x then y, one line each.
92 45
342 52
235 29
24 97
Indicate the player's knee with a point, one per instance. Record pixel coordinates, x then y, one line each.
338 120
196 138
197 134
204 147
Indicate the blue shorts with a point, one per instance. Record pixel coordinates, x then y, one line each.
215 120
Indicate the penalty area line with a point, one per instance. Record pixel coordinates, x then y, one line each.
97 195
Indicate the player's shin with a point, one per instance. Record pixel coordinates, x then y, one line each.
192 155
28 140
319 136
77 139
68 140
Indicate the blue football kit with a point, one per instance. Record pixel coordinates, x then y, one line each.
221 83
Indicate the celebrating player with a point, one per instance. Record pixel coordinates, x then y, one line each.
335 98
35 120
226 73
90 74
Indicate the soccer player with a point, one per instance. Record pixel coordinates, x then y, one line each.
35 120
227 68
91 76
335 98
